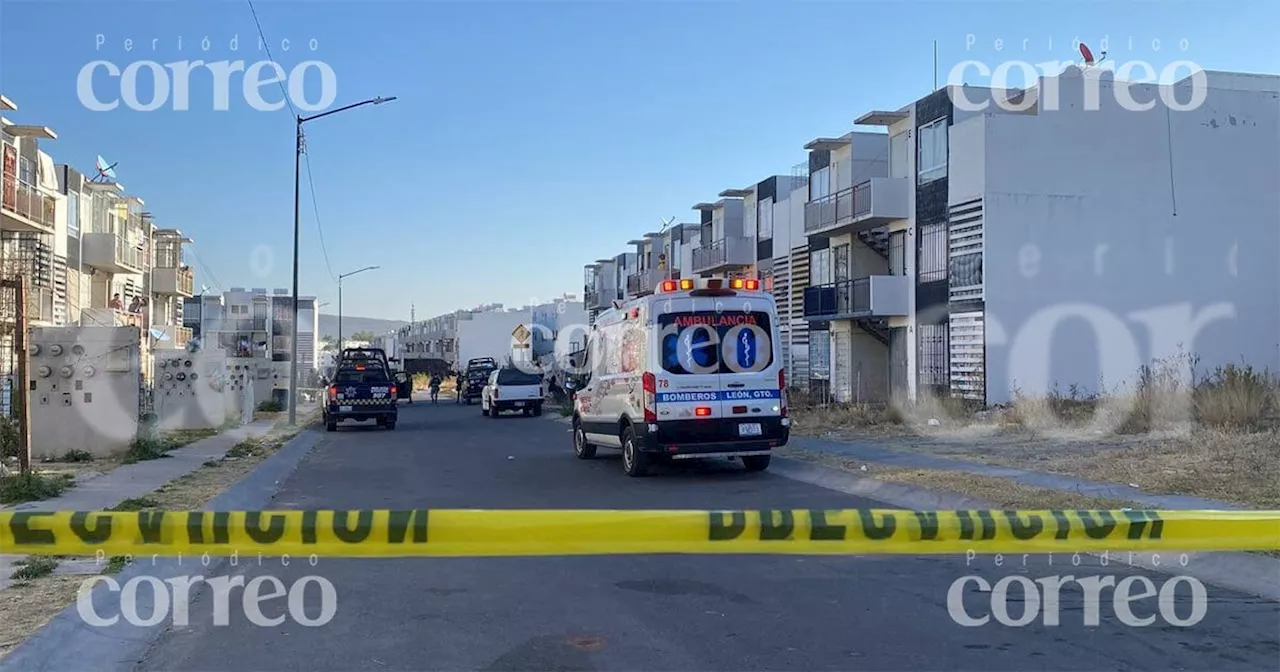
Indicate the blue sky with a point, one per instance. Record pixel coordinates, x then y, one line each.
529 138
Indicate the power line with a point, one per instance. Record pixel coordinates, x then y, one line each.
316 209
267 46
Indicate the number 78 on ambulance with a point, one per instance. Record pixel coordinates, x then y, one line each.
688 372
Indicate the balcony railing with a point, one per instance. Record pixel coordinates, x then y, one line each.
723 254
27 202
112 253
645 282
868 204
874 296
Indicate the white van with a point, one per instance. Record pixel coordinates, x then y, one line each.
688 372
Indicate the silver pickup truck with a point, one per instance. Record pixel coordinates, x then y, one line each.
510 389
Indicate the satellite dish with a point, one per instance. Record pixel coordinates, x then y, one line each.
1088 56
106 171
159 334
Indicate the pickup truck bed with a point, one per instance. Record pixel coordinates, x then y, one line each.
514 391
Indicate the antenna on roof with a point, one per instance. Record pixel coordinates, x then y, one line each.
106 171
666 223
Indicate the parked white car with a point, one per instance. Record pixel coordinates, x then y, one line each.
510 389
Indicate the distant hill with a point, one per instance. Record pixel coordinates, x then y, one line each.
350 325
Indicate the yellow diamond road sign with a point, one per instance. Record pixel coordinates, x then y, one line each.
521 334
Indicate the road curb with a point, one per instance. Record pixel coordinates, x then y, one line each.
67 643
1250 573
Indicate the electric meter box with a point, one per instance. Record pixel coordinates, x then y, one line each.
189 390
86 388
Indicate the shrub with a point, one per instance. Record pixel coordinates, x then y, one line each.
270 406
32 487
8 437
1235 396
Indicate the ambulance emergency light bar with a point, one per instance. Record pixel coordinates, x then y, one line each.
689 284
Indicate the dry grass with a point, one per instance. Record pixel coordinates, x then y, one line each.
1000 493
28 605
1215 436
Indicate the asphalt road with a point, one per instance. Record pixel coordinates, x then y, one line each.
654 612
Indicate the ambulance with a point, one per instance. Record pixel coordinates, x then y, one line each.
689 372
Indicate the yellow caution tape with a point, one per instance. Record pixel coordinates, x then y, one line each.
452 532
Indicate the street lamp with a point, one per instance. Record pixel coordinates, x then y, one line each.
340 277
297 198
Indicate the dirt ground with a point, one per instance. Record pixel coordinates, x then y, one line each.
1236 466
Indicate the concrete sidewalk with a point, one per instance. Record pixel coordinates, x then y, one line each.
99 492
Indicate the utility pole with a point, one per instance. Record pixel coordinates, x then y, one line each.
22 386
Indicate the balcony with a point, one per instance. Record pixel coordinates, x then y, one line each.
863 207
873 296
111 253
174 336
24 208
724 254
174 281
645 282
111 317
600 298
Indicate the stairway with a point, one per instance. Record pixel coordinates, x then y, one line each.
876 326
876 239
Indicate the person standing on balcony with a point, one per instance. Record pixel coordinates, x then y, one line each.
115 302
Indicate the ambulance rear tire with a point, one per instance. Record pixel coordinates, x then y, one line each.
635 462
756 462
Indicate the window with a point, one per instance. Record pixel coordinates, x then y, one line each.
764 219
820 184
898 253
698 341
518 377
931 160
27 172
931 265
933 355
899 156
73 214
820 272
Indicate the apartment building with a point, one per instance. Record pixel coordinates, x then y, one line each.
662 255
773 215
256 323
856 275
1053 245
446 342
726 247
605 281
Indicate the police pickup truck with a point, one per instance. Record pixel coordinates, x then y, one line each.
362 388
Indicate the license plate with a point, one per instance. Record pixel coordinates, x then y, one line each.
344 409
749 429
519 404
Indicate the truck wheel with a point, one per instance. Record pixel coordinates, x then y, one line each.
756 462
331 426
468 401
581 449
537 409
634 461
390 424
526 411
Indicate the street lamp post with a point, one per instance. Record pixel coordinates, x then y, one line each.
297 198
340 277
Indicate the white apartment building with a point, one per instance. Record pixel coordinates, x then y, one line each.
727 248
605 281
856 281
1054 246
773 216
662 255
446 342
256 323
